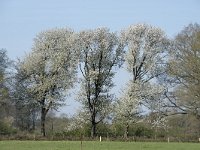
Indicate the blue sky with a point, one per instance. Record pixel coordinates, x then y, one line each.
21 20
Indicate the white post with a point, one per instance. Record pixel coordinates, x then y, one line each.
100 138
199 139
168 139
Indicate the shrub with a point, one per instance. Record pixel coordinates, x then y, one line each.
6 129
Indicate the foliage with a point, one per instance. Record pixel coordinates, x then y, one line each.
184 68
26 107
184 127
6 129
142 131
5 103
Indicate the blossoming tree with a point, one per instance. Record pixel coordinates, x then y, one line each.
101 51
50 68
145 55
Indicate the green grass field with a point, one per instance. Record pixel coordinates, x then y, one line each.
68 145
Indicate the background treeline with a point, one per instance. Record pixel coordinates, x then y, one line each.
160 100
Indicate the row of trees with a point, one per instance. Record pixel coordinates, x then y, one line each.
164 76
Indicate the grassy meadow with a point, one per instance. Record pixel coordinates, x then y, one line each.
91 145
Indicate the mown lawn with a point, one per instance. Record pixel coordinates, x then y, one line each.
72 145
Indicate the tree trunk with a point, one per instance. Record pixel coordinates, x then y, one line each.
33 122
93 129
93 121
33 125
126 131
43 117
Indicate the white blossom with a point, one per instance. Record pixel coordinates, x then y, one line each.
145 45
50 69
101 51
52 61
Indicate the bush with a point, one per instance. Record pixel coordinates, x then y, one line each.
6 129
142 131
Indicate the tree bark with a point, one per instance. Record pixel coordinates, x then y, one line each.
33 125
93 121
43 117
93 129
33 120
44 111
126 131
